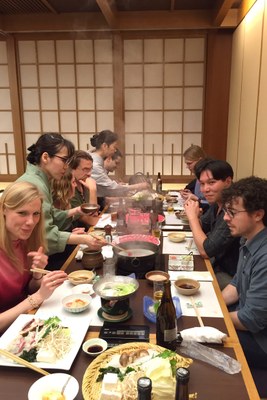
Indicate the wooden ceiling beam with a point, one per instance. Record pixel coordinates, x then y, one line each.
109 10
222 9
156 20
55 23
125 21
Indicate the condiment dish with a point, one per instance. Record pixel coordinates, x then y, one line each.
187 286
76 303
94 347
176 237
81 276
157 275
85 288
47 387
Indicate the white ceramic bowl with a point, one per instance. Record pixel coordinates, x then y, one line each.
94 347
76 303
176 237
54 382
85 288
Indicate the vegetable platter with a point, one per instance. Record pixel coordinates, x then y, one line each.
160 365
73 334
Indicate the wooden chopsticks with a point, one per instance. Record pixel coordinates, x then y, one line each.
40 271
197 312
19 360
108 243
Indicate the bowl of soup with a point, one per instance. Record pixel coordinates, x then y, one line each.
187 286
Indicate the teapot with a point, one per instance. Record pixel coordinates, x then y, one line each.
92 259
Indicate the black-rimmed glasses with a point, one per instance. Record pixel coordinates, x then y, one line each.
231 213
64 159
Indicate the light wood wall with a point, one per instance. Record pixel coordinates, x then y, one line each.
247 127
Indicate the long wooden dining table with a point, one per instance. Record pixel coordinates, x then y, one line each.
206 380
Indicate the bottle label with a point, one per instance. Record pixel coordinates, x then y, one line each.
170 334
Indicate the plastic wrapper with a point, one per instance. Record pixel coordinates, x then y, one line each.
210 356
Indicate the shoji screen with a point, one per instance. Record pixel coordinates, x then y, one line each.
7 146
66 87
163 89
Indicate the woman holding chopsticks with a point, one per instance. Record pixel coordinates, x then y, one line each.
22 246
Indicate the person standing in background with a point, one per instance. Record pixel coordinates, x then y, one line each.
22 247
105 144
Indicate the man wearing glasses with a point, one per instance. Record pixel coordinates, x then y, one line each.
81 165
245 205
210 232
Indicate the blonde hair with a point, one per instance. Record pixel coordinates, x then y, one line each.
62 191
16 195
194 153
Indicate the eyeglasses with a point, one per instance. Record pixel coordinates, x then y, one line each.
64 159
231 213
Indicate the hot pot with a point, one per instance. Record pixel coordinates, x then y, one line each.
139 256
115 304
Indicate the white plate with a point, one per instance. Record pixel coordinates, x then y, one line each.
78 331
84 288
54 382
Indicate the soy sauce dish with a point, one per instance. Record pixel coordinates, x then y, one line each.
94 347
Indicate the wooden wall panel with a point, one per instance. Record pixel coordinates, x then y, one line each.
217 93
249 94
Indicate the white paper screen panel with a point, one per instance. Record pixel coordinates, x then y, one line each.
163 89
7 147
67 86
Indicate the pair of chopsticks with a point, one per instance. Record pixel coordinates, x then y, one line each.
108 243
45 272
197 312
19 360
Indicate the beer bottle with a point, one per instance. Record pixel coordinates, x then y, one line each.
144 387
182 378
166 322
159 184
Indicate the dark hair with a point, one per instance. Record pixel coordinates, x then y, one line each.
252 190
77 157
116 155
220 169
105 136
50 143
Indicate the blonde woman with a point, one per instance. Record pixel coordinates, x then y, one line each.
22 247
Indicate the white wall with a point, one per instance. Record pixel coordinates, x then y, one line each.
247 124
